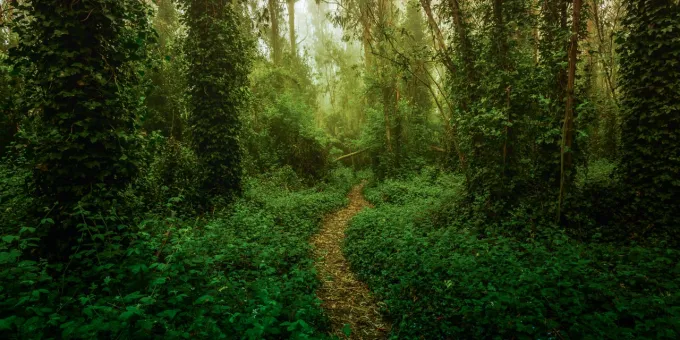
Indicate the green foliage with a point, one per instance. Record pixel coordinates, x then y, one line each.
650 71
111 232
8 116
442 280
14 174
166 101
245 273
415 136
217 49
82 64
284 135
171 173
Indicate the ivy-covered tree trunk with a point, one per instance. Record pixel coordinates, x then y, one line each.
553 48
650 83
83 62
217 50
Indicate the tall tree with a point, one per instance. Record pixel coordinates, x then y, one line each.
552 67
650 85
274 35
217 50
83 61
566 149
291 26
464 48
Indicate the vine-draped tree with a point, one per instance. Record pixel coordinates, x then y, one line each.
217 50
82 62
650 83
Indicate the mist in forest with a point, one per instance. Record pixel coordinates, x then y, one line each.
345 169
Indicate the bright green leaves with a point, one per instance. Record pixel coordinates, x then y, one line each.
347 330
444 280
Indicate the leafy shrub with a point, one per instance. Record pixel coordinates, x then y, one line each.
14 177
171 173
598 171
280 130
447 281
243 273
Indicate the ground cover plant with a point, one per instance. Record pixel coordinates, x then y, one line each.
447 281
244 271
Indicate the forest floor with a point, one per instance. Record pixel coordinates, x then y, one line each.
347 301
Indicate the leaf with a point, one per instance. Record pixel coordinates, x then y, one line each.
9 238
204 299
347 330
169 313
6 324
26 229
130 312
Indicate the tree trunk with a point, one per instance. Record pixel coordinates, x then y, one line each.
439 37
366 33
274 32
566 155
291 26
536 12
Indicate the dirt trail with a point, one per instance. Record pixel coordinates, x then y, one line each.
347 301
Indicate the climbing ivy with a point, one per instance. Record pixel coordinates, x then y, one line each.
650 83
217 49
82 62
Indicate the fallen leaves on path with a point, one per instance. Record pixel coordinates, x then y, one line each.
347 301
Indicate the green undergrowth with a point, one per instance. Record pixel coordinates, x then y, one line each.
442 281
243 273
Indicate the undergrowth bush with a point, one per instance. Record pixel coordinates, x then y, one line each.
448 281
171 174
241 273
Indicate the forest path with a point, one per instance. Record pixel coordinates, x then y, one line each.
347 301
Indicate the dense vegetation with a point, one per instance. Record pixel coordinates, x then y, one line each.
442 279
165 164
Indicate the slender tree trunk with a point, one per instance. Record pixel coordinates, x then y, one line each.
501 42
274 32
387 80
291 26
566 153
439 37
366 33
536 12
600 36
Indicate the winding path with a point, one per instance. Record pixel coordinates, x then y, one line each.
347 301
